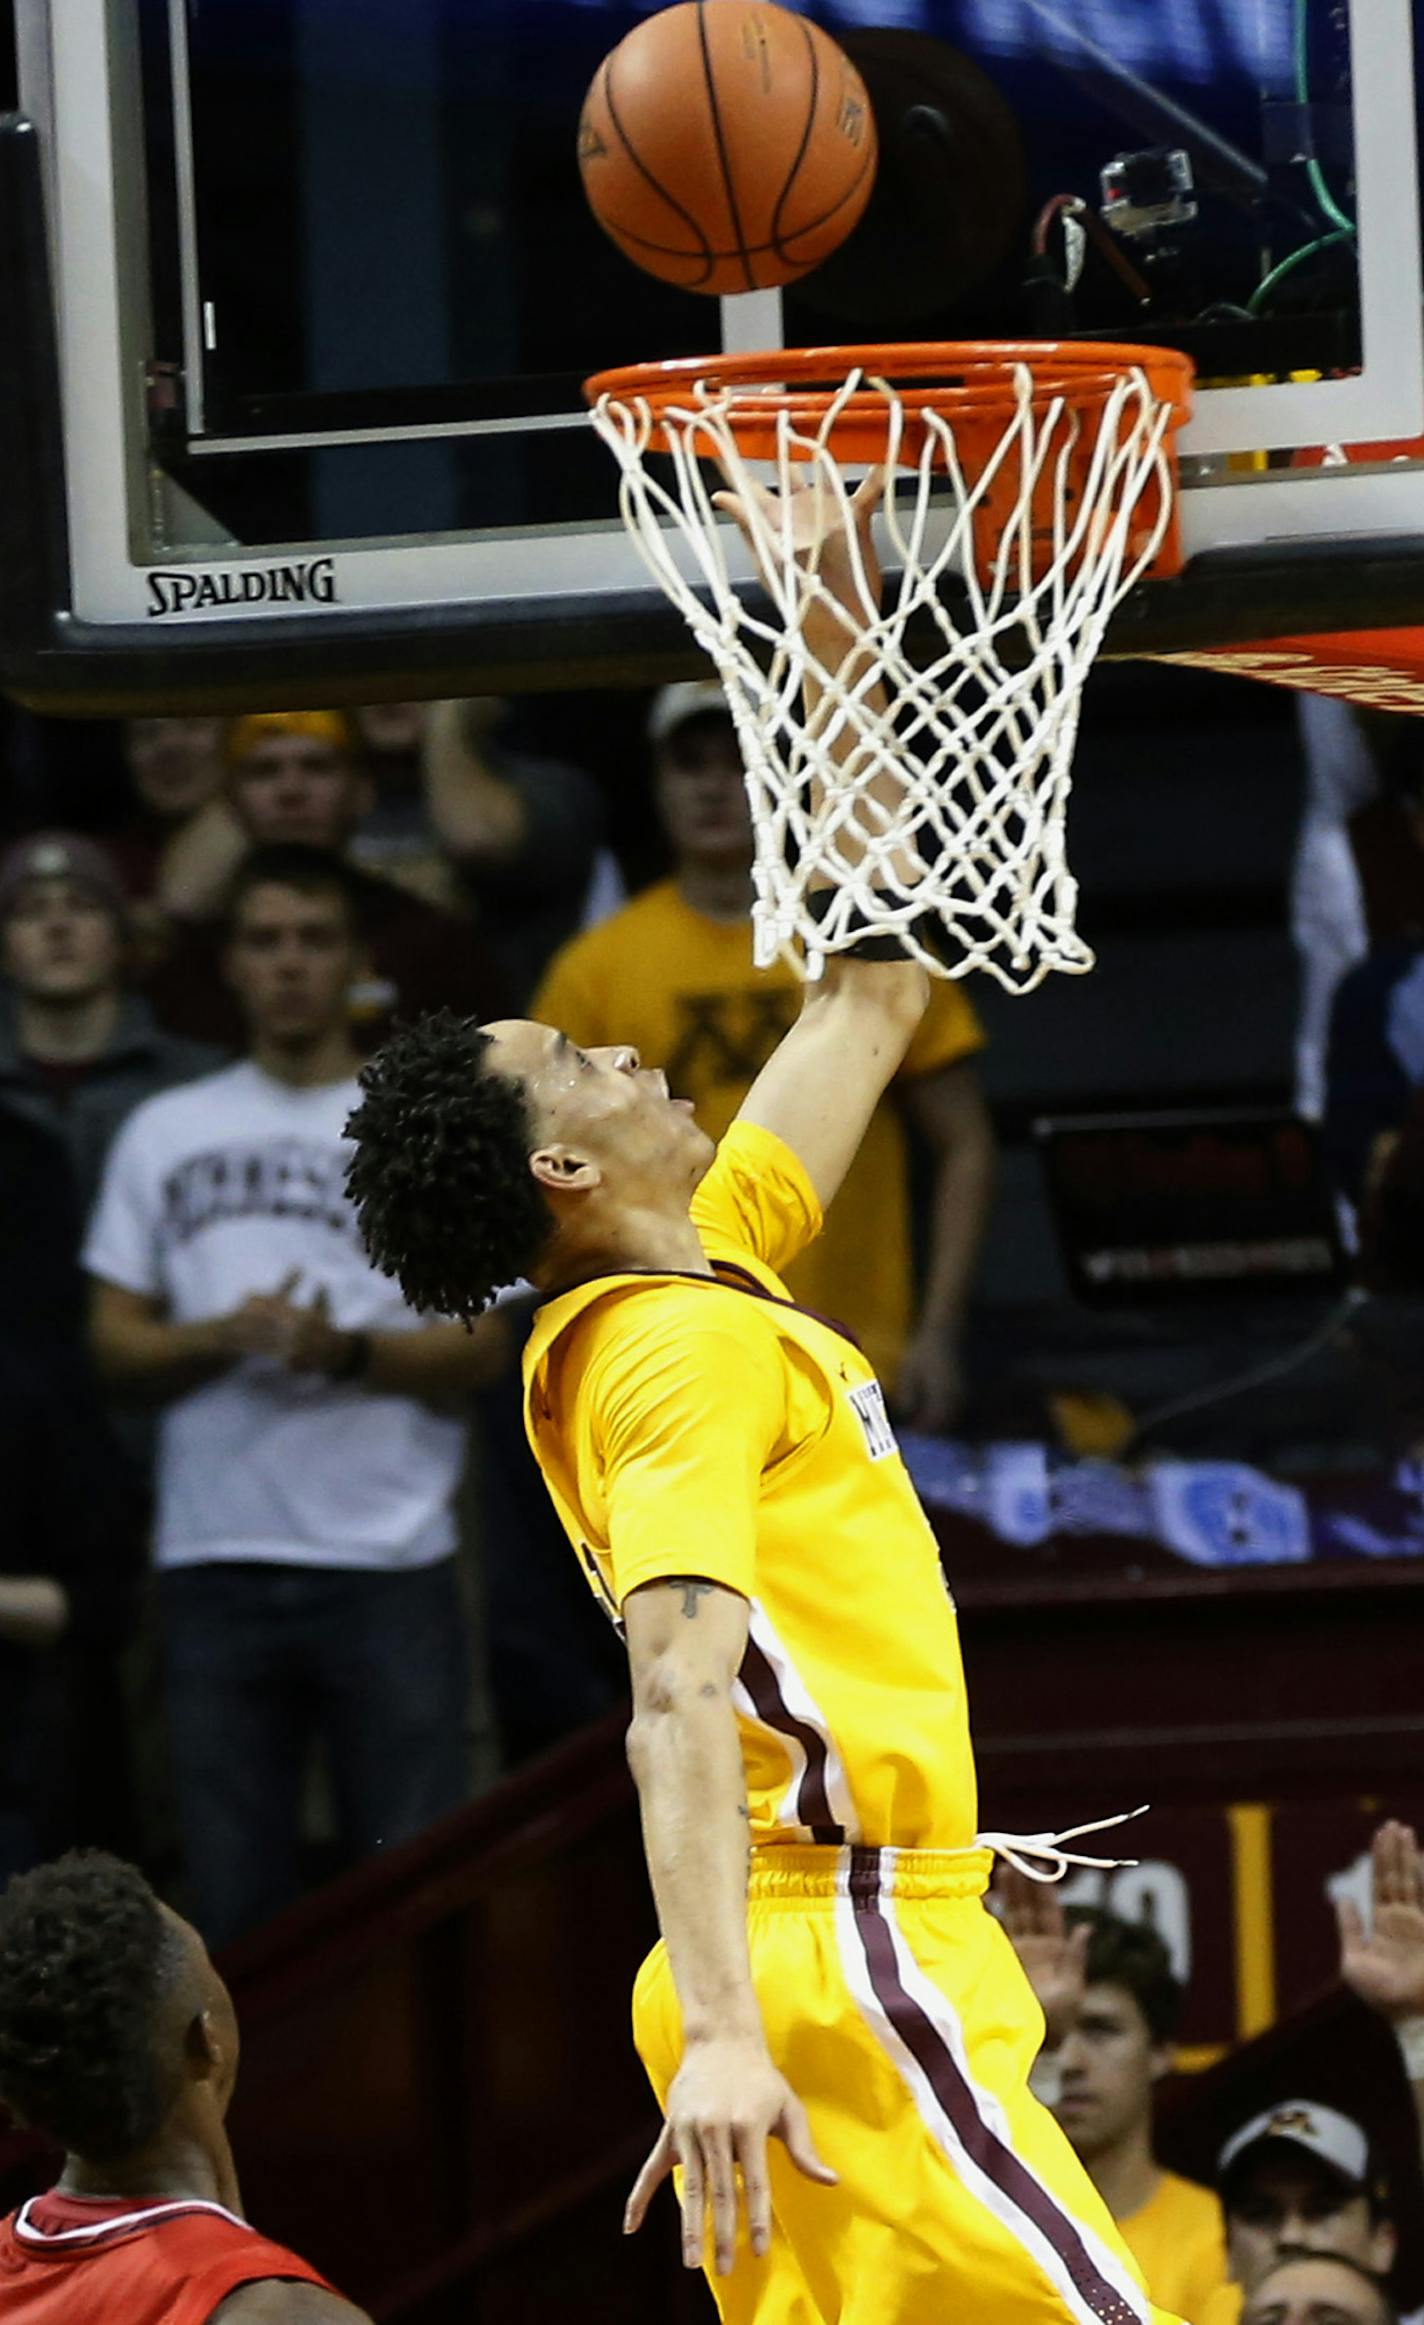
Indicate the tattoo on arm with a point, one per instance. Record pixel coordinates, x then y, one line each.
693 1592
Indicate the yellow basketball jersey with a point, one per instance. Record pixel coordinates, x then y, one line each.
704 1425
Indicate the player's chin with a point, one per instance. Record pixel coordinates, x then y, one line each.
696 1144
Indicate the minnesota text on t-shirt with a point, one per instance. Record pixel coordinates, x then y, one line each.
274 1178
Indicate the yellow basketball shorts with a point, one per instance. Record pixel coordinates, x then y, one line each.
897 2010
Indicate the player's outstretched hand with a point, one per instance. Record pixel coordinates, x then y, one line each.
818 534
1385 1966
1054 1957
725 2102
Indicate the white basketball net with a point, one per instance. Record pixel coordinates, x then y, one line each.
974 745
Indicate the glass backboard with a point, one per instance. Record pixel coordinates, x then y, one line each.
308 290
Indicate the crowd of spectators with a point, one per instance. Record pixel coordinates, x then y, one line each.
239 1463
1299 2185
235 1626
271 1453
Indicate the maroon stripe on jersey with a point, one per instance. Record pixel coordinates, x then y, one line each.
813 1798
745 1281
998 2162
727 1274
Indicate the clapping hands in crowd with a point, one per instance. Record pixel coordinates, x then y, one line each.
300 1336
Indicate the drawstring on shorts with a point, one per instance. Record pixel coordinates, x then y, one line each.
1020 1849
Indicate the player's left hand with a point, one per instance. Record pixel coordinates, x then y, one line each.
1385 1966
929 1386
725 2102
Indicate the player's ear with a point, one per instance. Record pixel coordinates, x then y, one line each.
203 2047
562 1170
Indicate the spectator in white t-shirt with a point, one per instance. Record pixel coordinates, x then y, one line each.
313 1437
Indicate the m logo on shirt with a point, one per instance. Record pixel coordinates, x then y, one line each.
869 1404
727 1037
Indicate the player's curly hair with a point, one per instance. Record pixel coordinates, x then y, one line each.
440 1177
85 1959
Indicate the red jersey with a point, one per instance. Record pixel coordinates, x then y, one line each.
143 2260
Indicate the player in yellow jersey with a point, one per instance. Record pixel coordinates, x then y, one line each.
839 2034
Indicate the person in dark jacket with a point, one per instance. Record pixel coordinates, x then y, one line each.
78 1049
66 1568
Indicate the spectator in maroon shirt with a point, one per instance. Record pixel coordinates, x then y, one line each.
300 776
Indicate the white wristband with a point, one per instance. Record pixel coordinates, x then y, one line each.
1409 2034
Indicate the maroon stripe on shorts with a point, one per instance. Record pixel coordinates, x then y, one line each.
813 1797
998 2163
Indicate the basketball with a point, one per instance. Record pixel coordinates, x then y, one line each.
727 146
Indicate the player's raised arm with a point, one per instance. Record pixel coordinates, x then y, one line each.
824 1081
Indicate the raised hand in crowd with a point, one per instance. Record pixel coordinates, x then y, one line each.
1054 1956
1384 1963
480 815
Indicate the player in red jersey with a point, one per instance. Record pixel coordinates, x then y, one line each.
118 2040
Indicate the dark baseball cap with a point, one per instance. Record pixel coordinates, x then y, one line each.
61 856
1302 2125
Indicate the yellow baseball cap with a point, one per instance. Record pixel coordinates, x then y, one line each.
242 735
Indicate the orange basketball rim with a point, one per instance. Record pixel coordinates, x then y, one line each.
877 403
